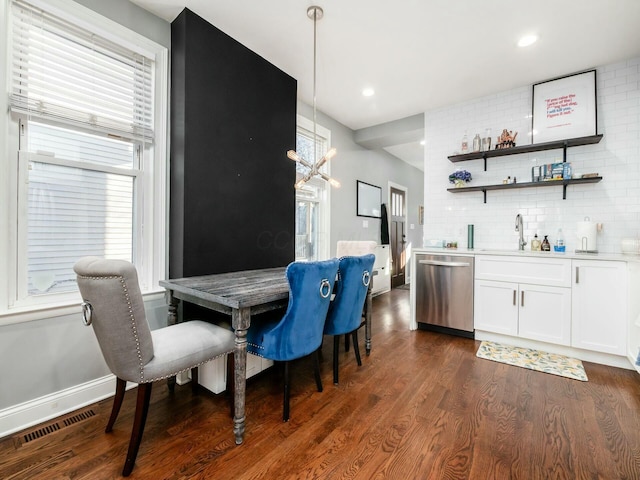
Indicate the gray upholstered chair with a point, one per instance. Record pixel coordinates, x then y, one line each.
113 306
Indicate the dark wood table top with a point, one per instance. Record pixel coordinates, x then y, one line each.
247 288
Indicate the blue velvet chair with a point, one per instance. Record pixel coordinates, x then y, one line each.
345 311
299 332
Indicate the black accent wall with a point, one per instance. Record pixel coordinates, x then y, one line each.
233 118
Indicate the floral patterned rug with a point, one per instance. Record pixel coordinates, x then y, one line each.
533 360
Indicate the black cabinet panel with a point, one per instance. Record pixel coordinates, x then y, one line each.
233 117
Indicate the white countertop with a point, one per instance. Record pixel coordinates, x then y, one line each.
619 257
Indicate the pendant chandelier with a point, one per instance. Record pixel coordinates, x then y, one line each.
315 13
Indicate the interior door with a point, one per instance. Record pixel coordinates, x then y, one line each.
398 238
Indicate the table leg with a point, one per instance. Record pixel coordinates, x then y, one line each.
241 319
367 322
172 320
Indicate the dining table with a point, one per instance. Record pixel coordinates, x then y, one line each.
240 295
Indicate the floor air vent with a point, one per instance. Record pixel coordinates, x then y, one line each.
40 432
78 417
57 424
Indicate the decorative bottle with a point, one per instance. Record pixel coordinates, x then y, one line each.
546 247
486 141
535 243
464 148
477 143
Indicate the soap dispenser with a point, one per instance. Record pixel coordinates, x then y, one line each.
546 247
559 247
535 243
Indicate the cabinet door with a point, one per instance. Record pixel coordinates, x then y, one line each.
382 277
599 318
545 313
496 307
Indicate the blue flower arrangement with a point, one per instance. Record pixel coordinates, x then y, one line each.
460 176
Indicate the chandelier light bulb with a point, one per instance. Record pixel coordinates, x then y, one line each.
330 154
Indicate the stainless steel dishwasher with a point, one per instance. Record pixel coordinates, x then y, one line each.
444 293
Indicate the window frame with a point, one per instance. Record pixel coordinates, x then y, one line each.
152 238
324 221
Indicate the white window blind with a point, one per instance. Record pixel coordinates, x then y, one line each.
64 73
72 213
80 200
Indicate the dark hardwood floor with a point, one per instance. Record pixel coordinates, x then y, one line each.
422 406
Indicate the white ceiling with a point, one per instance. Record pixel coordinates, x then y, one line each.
420 54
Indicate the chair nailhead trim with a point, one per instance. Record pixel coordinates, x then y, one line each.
185 369
259 347
133 320
134 328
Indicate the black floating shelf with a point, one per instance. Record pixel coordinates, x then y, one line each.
510 186
536 147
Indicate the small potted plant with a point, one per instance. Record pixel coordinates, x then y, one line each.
459 178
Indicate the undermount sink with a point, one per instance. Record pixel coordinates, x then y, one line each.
509 250
515 251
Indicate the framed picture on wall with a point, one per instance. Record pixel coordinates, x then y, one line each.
369 200
564 108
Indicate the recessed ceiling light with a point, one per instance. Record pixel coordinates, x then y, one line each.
527 40
368 92
422 142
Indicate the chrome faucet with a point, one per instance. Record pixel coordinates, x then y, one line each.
521 242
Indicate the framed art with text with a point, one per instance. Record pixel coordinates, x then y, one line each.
564 108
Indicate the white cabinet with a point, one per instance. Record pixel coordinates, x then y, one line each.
536 312
599 321
256 364
545 313
577 305
382 277
495 307
524 297
213 374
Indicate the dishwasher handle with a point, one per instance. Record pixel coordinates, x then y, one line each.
440 263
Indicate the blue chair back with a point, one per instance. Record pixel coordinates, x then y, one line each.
299 332
345 311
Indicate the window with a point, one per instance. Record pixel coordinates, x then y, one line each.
87 122
312 200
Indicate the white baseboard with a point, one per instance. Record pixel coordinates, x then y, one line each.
33 412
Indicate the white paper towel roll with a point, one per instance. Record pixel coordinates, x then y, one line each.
587 236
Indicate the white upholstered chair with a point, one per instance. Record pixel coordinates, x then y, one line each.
355 248
113 306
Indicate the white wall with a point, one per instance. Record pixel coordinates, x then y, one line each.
614 202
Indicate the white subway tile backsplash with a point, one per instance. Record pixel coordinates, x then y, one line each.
615 201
